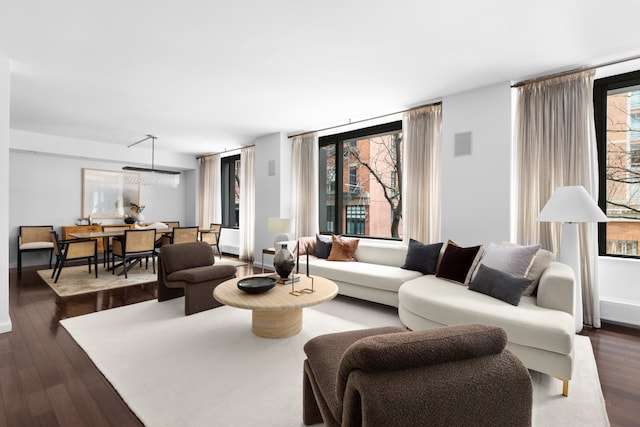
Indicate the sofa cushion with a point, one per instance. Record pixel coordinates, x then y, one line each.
323 246
512 259
527 324
458 263
421 257
541 261
499 284
343 249
375 276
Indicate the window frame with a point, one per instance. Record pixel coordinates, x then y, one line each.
601 87
230 218
337 140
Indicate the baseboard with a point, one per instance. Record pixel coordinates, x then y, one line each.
6 327
620 311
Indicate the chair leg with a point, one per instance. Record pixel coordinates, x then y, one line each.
95 262
124 265
19 261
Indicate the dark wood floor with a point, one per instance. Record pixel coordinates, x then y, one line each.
47 380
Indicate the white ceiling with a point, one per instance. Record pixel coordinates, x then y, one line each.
209 75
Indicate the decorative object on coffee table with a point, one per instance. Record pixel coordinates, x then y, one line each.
256 285
283 260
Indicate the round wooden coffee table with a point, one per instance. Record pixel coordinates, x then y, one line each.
277 313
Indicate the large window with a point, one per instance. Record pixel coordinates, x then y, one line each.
230 184
360 189
617 117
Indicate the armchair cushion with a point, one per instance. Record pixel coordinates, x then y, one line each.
181 257
408 350
202 274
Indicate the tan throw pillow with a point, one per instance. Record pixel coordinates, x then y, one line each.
343 249
540 262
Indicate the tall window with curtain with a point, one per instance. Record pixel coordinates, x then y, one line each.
423 147
304 183
209 191
556 147
247 209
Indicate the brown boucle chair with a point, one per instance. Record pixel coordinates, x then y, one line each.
188 269
452 376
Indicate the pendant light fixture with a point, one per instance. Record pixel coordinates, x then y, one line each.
153 176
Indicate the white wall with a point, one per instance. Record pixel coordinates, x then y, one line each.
5 78
46 189
272 189
476 188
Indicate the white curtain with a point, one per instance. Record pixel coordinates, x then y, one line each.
247 203
556 146
304 184
422 129
210 191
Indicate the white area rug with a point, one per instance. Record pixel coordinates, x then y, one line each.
209 369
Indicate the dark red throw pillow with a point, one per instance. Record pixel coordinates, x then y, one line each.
457 262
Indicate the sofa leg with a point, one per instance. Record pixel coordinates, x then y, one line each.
565 387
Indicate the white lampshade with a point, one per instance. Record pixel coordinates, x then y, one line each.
279 225
571 204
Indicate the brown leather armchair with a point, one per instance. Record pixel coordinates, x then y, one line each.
452 376
188 269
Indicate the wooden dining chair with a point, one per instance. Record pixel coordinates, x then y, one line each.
184 235
108 241
212 236
165 239
134 245
33 238
73 249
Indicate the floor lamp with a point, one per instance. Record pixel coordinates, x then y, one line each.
572 205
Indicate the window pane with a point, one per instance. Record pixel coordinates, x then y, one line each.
360 181
623 171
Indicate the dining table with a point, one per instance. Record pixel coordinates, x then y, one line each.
105 235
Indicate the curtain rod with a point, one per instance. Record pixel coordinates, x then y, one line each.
578 70
200 156
364 120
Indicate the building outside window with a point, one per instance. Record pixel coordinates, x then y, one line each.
365 165
617 117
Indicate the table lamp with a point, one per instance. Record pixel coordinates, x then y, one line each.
572 205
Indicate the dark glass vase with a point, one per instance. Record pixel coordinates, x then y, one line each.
284 262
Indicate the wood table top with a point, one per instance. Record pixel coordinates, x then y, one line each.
278 298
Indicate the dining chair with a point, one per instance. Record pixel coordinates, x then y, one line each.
32 238
73 249
165 239
212 236
134 245
108 241
184 235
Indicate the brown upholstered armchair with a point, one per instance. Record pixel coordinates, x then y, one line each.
452 376
188 269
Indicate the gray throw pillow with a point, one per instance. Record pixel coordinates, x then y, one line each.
421 257
509 259
498 284
323 246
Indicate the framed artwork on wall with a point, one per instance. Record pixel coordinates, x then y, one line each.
108 194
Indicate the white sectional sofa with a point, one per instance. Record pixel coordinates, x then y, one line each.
540 329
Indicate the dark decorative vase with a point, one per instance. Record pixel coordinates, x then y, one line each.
284 262
130 220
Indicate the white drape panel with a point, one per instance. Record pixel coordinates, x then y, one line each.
247 203
210 192
304 184
422 129
556 146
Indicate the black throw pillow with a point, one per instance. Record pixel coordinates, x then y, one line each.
498 284
421 257
323 246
